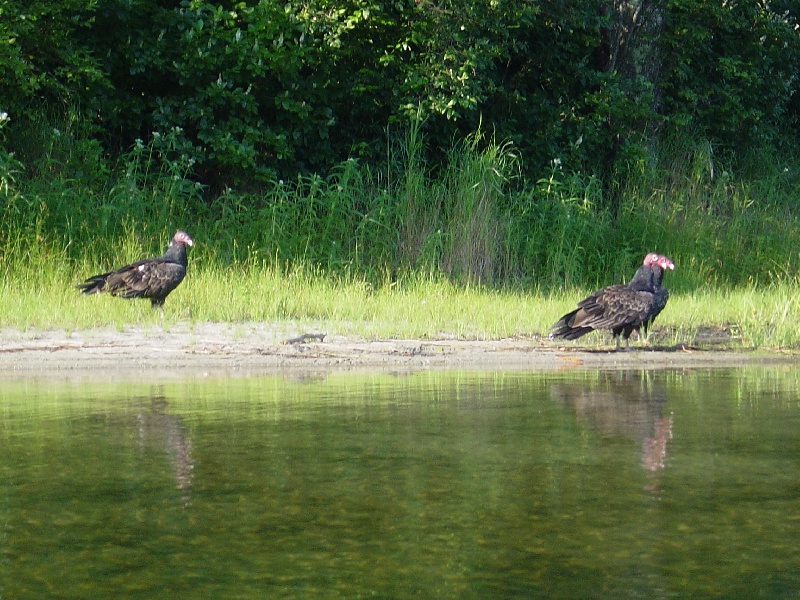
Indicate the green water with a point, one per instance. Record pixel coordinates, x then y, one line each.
669 484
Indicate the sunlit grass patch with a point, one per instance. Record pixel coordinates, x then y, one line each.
413 307
746 317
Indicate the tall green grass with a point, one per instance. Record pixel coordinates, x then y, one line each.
468 248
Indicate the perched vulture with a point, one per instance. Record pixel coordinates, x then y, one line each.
621 308
152 278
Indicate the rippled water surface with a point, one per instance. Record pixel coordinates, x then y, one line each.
668 484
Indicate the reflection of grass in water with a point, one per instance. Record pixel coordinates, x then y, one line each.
478 485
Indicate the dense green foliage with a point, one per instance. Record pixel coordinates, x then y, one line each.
258 89
506 143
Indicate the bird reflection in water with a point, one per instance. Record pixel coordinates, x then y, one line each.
628 404
155 424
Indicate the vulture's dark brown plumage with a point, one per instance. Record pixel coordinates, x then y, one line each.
621 308
152 278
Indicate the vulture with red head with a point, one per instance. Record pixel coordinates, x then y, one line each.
621 308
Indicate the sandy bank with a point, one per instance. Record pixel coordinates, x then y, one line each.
250 349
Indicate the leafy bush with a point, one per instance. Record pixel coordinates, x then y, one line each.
731 71
260 89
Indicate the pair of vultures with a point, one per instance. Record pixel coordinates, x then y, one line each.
621 308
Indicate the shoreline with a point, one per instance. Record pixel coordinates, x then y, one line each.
221 349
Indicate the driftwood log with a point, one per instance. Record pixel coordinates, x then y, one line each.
306 337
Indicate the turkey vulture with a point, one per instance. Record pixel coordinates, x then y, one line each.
152 278
621 308
660 294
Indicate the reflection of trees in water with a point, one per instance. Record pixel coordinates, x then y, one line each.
154 424
627 404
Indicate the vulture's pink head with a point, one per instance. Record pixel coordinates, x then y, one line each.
658 260
181 237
